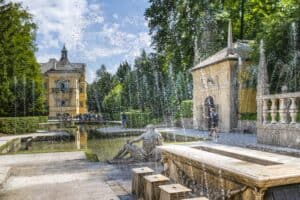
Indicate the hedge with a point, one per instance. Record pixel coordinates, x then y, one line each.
138 119
20 125
113 116
248 116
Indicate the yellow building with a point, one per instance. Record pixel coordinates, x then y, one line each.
65 86
218 83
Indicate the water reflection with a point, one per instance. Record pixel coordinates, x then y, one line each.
81 140
85 138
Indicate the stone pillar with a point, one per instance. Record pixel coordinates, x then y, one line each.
138 180
262 83
152 191
293 110
173 192
283 110
265 111
273 111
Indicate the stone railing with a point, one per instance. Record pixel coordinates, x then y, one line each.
280 108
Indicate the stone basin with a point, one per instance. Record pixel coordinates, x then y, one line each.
219 171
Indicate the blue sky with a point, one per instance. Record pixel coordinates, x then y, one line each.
95 31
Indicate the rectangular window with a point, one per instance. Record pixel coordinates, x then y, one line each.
81 104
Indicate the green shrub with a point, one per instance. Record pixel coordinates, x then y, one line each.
138 119
248 116
112 116
90 156
186 109
20 125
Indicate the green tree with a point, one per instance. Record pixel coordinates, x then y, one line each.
123 70
22 92
98 90
113 102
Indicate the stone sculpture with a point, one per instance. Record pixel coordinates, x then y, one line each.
148 152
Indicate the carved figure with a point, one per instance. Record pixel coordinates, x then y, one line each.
151 138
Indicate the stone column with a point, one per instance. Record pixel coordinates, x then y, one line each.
273 110
293 110
283 110
265 111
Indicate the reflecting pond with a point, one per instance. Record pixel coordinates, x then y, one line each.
86 138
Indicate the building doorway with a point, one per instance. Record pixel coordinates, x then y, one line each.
208 104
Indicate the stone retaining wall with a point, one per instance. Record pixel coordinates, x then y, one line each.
286 135
246 126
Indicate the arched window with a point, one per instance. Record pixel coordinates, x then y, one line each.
62 85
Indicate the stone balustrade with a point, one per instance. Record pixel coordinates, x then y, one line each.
280 108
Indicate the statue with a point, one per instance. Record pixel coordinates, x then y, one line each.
151 138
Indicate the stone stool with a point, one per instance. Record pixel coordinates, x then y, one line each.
152 191
197 198
137 186
173 192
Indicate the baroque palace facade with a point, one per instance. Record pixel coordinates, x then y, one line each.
65 86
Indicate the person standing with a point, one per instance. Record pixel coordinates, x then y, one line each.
124 120
213 122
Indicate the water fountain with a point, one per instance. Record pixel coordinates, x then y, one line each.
225 172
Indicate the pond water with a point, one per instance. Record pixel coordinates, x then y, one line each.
86 138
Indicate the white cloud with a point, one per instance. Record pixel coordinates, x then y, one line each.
62 21
133 20
45 57
130 43
91 75
97 52
73 22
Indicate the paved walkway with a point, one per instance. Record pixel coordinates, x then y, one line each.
64 176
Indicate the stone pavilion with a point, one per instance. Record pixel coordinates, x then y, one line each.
217 83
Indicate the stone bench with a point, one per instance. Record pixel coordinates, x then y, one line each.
138 185
173 192
152 183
